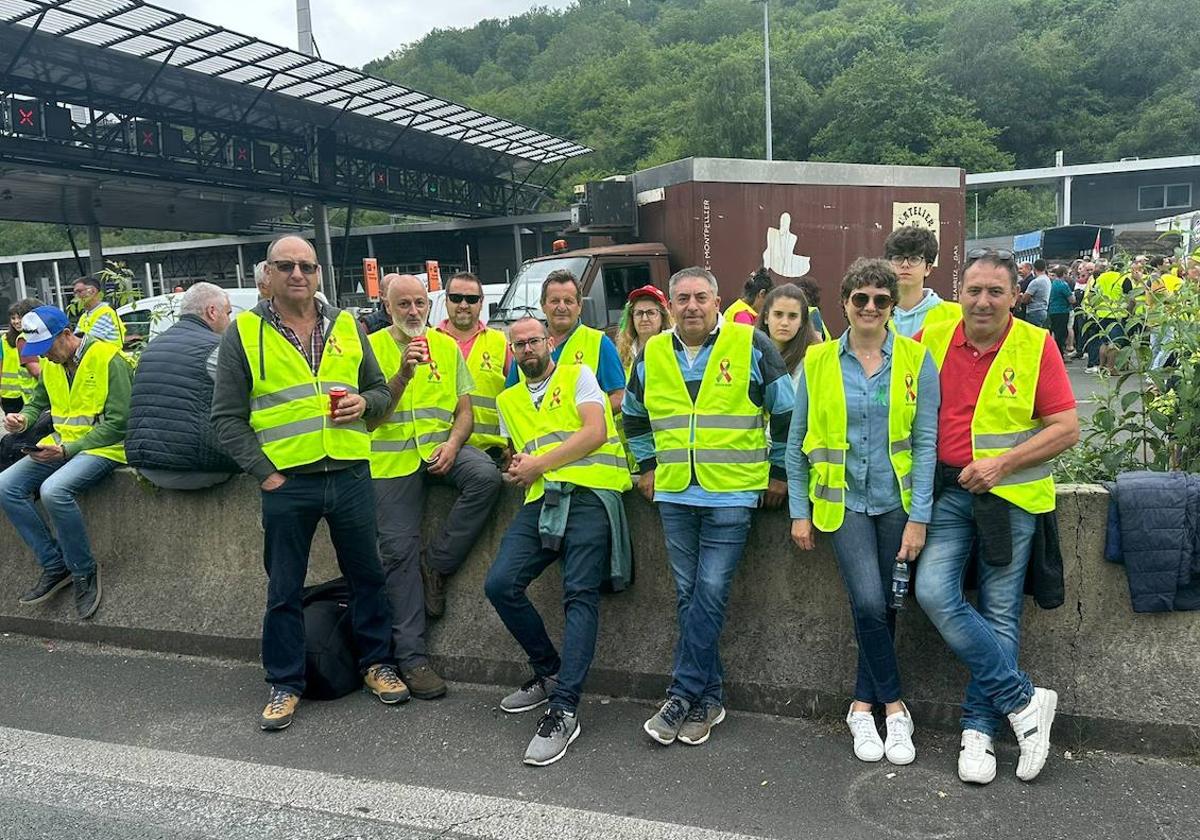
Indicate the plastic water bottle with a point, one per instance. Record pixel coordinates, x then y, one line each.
899 584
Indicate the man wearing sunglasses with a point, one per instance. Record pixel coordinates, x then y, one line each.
274 415
487 355
1007 411
424 442
912 251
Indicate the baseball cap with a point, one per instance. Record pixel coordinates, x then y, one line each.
40 327
648 292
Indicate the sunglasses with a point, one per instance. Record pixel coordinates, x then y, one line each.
459 297
861 299
287 266
1000 254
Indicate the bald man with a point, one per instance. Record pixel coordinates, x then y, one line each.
273 413
379 319
423 441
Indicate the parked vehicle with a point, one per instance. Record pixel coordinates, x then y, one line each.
148 317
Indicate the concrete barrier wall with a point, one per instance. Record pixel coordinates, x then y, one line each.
182 572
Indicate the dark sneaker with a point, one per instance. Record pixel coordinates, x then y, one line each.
529 696
664 726
384 682
433 583
280 708
87 593
47 585
424 682
700 720
556 731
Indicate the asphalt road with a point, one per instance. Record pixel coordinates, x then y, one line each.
106 743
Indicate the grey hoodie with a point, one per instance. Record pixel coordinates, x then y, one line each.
231 396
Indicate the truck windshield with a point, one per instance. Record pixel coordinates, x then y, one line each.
524 294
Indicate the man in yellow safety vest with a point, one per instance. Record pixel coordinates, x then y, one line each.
573 468
96 317
423 441
85 383
297 385
1007 410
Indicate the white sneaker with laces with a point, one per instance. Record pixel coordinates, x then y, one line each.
976 757
868 746
1032 727
898 746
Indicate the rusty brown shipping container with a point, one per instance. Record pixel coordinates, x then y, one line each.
799 218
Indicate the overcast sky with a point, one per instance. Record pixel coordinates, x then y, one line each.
351 32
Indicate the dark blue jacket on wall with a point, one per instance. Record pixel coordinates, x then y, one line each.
169 427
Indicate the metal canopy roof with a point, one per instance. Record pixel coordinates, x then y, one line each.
173 54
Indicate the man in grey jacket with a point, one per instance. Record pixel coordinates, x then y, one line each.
275 414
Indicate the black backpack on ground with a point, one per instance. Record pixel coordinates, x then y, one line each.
330 661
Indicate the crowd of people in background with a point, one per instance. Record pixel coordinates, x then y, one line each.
925 428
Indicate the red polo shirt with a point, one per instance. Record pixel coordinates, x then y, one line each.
962 376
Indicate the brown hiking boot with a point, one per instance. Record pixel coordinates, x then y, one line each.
279 710
433 583
424 682
384 682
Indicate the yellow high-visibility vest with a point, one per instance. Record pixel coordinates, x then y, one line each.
535 431
486 364
722 435
826 443
88 320
76 405
582 348
736 308
425 414
15 381
289 407
1003 415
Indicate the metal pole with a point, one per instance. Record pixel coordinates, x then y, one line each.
241 271
976 215
767 71
95 250
304 27
149 281
21 292
320 211
57 284
1067 182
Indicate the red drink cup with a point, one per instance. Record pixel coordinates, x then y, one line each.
336 395
422 344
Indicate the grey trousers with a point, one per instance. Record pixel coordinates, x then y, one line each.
399 510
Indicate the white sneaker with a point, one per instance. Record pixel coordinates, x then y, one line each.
868 746
1095 369
898 746
1032 727
976 757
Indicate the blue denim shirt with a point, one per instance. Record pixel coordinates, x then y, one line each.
870 480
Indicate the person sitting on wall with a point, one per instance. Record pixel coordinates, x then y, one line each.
96 317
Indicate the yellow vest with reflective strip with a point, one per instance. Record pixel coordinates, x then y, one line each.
1004 412
78 404
88 320
738 306
289 407
582 348
1107 299
425 413
944 311
535 431
486 364
15 381
722 435
826 444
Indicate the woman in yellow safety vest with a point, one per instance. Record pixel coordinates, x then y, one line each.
18 376
860 462
745 309
786 318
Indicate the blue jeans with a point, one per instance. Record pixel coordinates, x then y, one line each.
585 556
985 637
704 547
345 499
59 483
866 549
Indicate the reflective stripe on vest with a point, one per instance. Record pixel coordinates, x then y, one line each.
721 437
486 364
289 406
536 431
76 405
88 320
425 414
1004 411
826 443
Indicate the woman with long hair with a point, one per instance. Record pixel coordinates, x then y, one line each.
18 375
745 309
786 318
860 461
645 315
